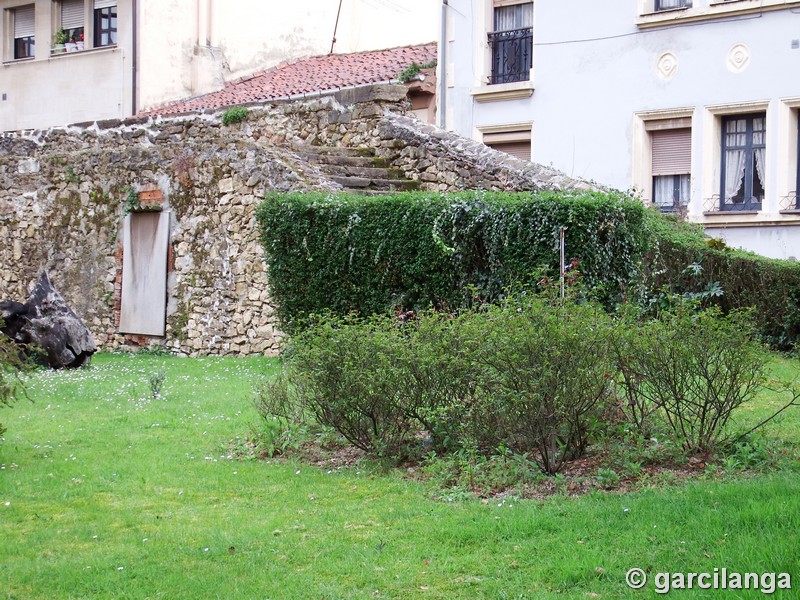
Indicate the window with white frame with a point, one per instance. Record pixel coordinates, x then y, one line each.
671 167
512 43
796 191
105 23
23 26
513 141
70 36
743 161
670 4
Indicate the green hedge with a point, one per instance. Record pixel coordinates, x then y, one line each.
747 279
362 254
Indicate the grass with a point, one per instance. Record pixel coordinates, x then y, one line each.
110 491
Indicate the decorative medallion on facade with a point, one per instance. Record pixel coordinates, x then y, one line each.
667 66
738 58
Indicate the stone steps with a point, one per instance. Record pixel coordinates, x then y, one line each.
335 150
369 172
356 184
342 160
357 170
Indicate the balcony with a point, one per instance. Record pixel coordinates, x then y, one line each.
511 55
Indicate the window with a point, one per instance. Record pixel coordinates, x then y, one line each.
105 23
797 181
743 154
671 4
512 43
24 40
671 167
72 24
511 139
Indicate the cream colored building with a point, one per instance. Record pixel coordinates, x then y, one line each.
694 104
120 57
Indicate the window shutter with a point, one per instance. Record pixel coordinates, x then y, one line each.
104 3
23 22
71 14
672 151
518 149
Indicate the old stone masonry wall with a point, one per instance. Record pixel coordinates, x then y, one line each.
65 194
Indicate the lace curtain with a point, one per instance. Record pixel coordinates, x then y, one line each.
735 158
758 140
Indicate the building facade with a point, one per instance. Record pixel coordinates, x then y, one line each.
691 103
68 61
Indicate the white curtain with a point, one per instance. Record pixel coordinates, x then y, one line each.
734 172
516 16
735 157
685 190
663 190
760 153
664 4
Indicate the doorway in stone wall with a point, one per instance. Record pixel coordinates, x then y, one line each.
143 306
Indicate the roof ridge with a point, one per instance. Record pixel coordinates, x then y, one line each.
292 61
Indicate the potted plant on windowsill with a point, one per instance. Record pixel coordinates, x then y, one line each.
59 39
79 43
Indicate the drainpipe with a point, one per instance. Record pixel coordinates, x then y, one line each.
443 69
134 54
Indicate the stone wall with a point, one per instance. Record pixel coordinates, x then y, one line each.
63 196
64 193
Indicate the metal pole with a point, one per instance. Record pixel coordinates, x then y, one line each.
563 259
336 27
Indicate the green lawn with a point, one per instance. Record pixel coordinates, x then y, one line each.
106 492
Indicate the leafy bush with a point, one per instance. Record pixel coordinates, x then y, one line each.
413 251
10 365
745 279
691 368
344 374
236 114
367 255
547 378
530 376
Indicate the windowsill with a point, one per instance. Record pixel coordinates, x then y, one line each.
728 213
498 92
60 55
714 10
790 211
15 61
670 10
82 52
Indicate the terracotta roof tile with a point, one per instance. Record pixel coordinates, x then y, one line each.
308 75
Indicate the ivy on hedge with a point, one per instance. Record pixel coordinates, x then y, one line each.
360 254
348 253
771 286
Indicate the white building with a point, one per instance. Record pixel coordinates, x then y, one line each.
692 103
67 61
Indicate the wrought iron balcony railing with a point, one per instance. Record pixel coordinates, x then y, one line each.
511 55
